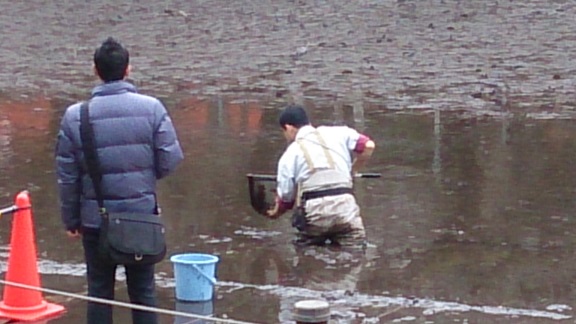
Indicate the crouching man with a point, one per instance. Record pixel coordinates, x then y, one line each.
315 177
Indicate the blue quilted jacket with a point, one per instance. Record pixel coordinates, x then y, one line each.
136 144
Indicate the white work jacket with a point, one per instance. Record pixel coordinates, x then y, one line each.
293 168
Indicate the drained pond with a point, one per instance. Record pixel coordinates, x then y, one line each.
470 105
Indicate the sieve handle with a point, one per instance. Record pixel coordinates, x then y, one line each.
272 177
262 177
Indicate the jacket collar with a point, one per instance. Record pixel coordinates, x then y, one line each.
304 131
114 87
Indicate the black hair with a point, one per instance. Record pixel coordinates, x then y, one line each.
293 115
111 60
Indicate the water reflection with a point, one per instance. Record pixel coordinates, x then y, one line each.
242 117
437 161
312 268
199 308
5 152
27 118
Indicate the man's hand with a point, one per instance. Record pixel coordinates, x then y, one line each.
272 213
73 234
360 159
279 209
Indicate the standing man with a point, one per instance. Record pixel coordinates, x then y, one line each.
315 175
137 145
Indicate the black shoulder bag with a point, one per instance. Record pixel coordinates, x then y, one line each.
125 238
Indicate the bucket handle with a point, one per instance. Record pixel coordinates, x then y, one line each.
211 279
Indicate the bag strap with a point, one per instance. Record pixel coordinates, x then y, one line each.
92 160
90 154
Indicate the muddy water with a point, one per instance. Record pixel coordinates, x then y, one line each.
471 221
470 102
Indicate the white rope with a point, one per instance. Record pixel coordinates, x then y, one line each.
123 304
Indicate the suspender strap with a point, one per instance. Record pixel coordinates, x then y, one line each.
325 148
300 196
307 154
310 166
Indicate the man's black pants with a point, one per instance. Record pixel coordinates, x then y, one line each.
101 278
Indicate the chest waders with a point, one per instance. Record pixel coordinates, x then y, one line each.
321 183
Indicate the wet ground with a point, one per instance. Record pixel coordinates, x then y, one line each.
470 103
398 54
471 222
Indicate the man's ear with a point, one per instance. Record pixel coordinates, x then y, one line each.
292 130
95 70
128 70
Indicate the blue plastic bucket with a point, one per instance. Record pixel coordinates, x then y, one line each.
194 274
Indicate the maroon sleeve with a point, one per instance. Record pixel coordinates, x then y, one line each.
361 143
283 205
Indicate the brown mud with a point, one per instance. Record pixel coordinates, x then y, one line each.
418 55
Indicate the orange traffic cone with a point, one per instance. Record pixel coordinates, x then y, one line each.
19 303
